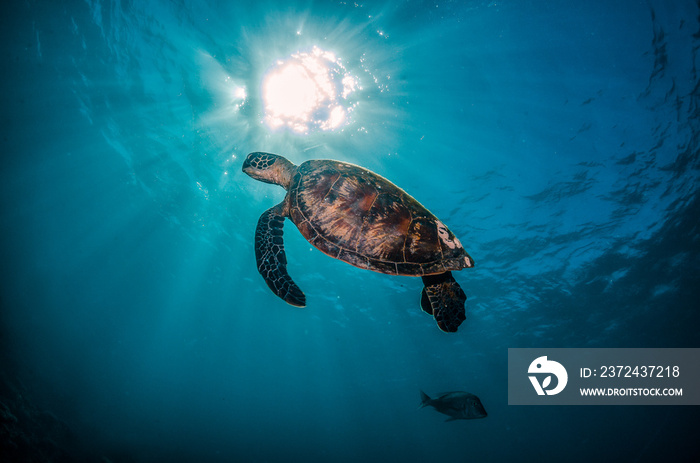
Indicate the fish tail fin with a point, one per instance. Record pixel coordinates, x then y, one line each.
424 399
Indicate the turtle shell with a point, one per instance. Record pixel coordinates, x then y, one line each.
359 217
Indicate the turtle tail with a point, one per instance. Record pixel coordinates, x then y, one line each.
444 299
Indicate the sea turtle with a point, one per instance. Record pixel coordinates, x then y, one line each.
361 218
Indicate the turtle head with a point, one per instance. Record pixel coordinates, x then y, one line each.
269 168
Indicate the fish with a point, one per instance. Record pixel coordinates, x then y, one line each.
457 405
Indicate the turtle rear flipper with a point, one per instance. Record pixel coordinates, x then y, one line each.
271 259
444 299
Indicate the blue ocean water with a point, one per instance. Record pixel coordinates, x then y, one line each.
558 140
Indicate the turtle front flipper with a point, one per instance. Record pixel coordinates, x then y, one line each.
272 262
444 299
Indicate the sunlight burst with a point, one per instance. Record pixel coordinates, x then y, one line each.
307 91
